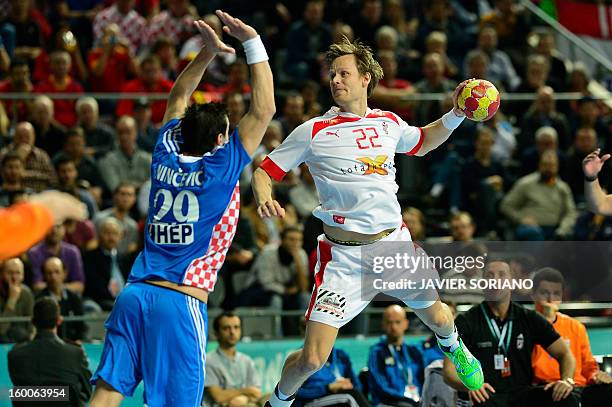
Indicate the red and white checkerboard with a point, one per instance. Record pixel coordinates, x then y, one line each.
202 272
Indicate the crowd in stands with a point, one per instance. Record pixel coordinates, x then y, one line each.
517 176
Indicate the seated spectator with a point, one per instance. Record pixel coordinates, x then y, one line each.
594 385
81 233
236 108
106 270
437 42
462 227
368 21
54 246
310 95
28 34
334 384
585 141
293 112
147 132
126 163
541 204
63 40
12 172
70 303
434 81
500 67
174 23
589 115
388 39
149 80
74 150
388 62
131 25
68 176
546 48
166 52
415 221
396 368
124 199
505 143
99 138
50 135
18 82
477 64
111 61
279 277
467 274
506 356
304 195
39 172
16 300
546 138
60 81
231 376
47 359
536 76
543 112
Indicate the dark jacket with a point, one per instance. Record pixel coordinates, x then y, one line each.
70 304
48 360
97 274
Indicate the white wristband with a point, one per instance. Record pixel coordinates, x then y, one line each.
255 51
451 121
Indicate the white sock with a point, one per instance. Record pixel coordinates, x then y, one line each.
279 399
451 341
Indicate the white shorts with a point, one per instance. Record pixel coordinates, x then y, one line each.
337 296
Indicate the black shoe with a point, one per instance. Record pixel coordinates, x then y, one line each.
267 404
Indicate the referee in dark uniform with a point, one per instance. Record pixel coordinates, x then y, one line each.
502 335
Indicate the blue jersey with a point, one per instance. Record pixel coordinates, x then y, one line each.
193 211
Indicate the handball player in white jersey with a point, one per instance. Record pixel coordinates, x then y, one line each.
350 152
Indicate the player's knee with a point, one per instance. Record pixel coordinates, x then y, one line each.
310 363
238 401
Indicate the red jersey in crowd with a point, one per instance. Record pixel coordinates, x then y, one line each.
65 112
158 107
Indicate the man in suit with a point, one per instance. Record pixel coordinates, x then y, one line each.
48 360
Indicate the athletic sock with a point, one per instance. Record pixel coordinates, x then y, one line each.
278 399
449 343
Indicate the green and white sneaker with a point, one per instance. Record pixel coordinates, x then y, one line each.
468 367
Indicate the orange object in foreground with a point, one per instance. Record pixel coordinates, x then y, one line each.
21 226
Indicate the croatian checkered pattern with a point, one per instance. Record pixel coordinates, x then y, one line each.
177 29
202 272
131 25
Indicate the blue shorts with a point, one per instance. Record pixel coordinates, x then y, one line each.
156 335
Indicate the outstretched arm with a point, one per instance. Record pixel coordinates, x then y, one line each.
436 133
191 76
597 200
253 125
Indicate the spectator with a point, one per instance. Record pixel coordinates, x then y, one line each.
462 227
231 376
505 143
111 61
60 81
307 41
39 172
389 64
506 356
18 82
147 132
74 150
28 35
68 176
589 115
595 386
12 172
106 269
50 134
47 359
477 64
541 204
81 233
546 48
165 51
310 94
334 384
546 138
396 368
63 40
368 21
127 163
465 275
437 42
293 112
150 80
236 108
501 68
131 25
70 303
175 23
543 112
433 82
437 18
16 300
387 39
99 138
304 195
237 80
279 277
537 74
585 142
54 246
124 198
414 219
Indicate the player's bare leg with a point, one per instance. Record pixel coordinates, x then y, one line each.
105 395
439 318
300 365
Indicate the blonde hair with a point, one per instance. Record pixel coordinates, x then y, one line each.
363 55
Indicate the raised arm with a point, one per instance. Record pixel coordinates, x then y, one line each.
253 125
437 132
597 200
190 78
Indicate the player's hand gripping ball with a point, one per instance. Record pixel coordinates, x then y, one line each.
479 100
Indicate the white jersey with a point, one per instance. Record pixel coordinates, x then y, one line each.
352 161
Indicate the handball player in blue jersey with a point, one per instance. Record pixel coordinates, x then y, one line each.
157 330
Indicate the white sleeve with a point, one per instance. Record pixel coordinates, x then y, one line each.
291 153
411 138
